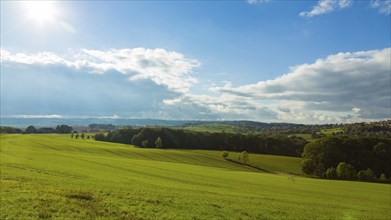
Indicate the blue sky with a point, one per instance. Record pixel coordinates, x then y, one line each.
292 61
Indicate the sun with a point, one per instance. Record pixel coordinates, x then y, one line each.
40 11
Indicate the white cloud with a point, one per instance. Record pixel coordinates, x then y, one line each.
43 58
356 110
350 86
328 90
257 1
383 6
38 116
326 6
168 68
109 117
344 3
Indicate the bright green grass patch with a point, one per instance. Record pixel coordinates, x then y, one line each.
306 137
53 176
272 163
330 131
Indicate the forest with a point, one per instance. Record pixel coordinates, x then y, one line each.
349 158
175 138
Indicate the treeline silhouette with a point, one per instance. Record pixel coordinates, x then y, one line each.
60 129
176 138
345 157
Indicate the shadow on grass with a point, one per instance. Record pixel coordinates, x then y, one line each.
249 165
80 195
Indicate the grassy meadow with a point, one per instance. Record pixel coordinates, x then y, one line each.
54 176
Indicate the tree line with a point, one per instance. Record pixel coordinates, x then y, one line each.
163 137
60 129
349 158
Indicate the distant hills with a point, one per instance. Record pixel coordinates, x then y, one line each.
50 122
379 128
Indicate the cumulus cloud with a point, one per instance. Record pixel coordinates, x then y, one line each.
383 6
167 68
343 87
333 86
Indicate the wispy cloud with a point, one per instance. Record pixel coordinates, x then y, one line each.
344 3
38 116
383 6
168 68
326 6
257 1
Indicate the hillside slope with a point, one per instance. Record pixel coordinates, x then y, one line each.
53 176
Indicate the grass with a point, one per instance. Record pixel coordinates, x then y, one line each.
53 176
330 131
306 137
326 132
276 164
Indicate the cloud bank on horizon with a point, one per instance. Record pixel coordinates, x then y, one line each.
156 83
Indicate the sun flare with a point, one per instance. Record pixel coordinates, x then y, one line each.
40 11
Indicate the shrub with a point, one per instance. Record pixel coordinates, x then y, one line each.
244 157
144 144
159 143
383 178
225 154
346 171
366 175
100 137
331 173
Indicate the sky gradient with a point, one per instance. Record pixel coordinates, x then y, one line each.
322 61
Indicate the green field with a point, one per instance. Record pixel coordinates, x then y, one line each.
330 131
307 137
53 176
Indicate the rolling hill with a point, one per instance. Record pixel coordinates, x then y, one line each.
54 176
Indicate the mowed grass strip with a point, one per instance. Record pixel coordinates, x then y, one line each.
53 176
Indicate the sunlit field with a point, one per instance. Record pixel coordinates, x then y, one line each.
54 176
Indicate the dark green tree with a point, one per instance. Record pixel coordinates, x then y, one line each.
367 175
159 143
331 173
30 130
383 178
63 129
100 137
244 157
144 144
346 171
